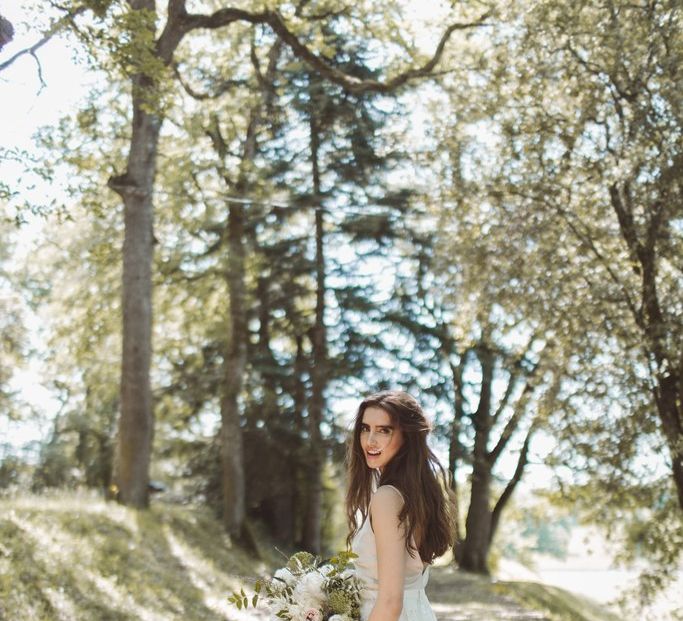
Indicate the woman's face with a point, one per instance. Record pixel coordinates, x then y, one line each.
380 439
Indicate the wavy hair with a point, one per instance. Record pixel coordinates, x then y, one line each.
414 470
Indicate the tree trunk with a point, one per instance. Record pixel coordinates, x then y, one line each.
669 400
301 368
475 547
135 186
311 535
235 361
266 360
136 423
455 449
234 509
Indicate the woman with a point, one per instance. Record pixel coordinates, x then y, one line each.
404 515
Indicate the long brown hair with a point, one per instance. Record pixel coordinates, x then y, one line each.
414 470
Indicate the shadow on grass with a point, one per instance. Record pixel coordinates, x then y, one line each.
27 582
137 566
199 530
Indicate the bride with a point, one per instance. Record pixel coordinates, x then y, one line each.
395 493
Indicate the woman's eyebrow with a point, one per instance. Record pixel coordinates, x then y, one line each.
378 426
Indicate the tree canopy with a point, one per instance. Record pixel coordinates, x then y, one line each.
272 208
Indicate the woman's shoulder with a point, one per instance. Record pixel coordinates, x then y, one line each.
388 494
385 507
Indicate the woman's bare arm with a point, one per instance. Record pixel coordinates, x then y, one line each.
390 541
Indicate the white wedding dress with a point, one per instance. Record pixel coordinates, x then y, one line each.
416 606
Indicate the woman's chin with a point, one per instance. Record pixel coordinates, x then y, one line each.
373 466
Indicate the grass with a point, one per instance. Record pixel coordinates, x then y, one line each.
73 558
77 558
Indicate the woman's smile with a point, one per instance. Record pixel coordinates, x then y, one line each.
372 454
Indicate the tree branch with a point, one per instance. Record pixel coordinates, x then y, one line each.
351 84
58 26
355 85
512 484
512 424
513 382
222 88
626 223
515 378
518 413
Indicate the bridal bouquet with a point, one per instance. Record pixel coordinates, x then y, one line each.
309 589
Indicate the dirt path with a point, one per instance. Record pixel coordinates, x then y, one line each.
460 597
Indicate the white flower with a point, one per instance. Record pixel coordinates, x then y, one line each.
309 602
310 589
296 612
286 575
340 618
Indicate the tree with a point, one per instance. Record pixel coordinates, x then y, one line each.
578 153
347 164
235 356
489 361
148 57
605 178
337 168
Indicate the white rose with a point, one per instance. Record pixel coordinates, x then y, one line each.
298 613
285 575
310 589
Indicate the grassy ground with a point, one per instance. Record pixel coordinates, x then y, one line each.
457 596
73 558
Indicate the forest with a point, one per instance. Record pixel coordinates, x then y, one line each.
260 212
